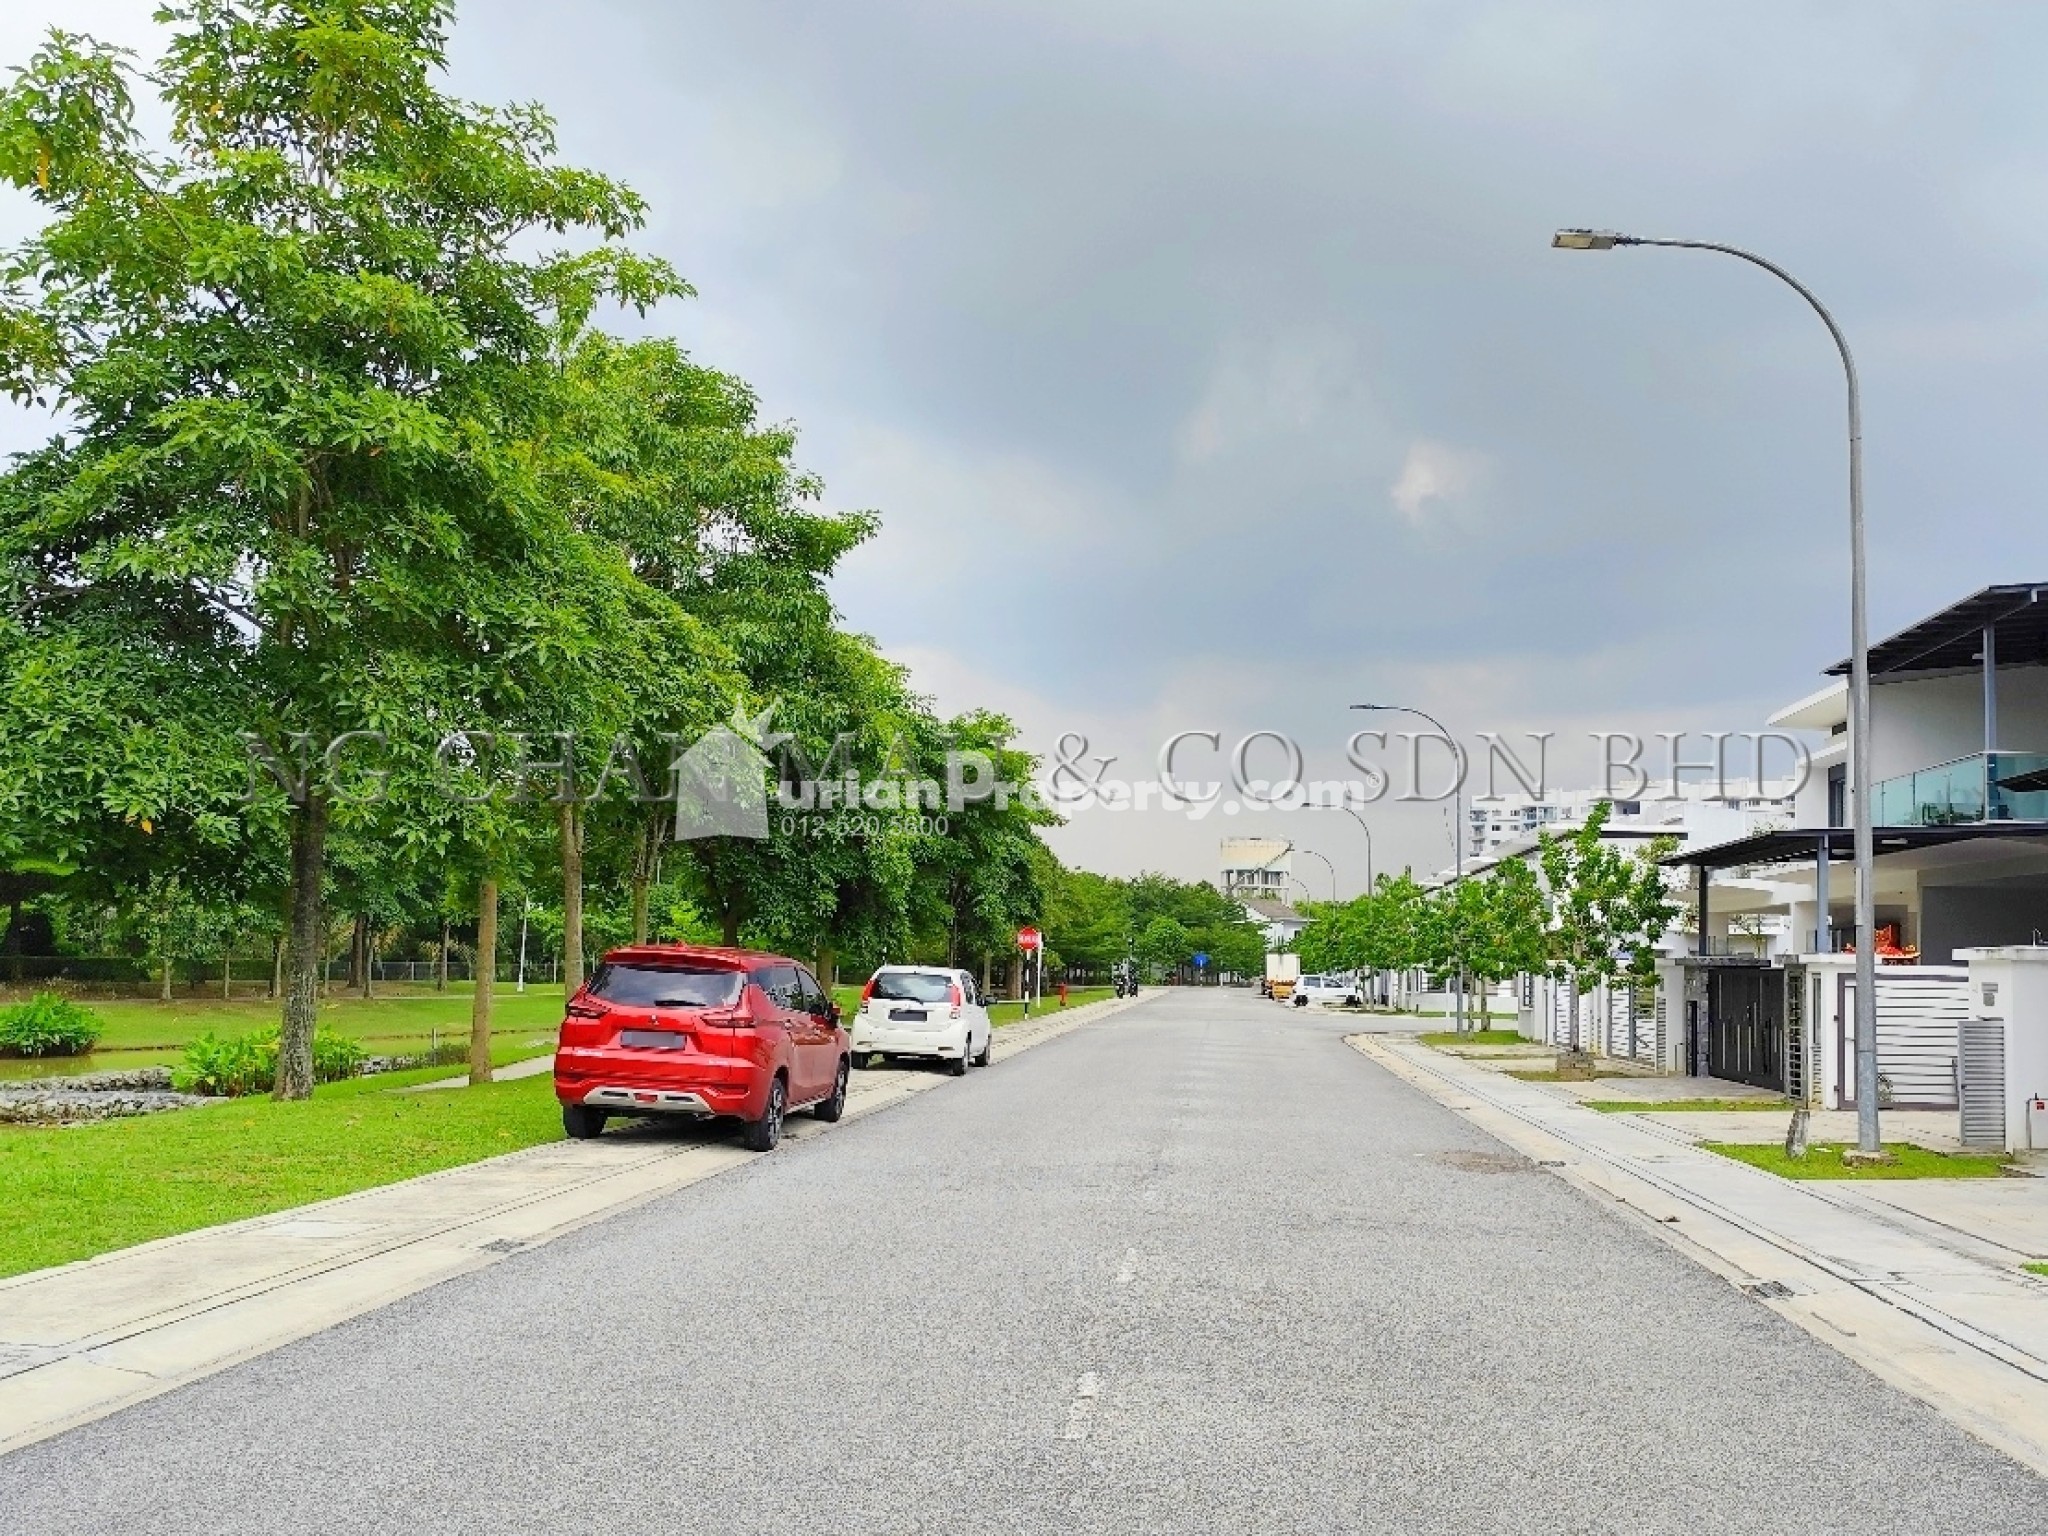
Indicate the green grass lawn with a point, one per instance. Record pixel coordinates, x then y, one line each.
2035 1269
1684 1106
1552 1076
145 1033
1824 1161
74 1192
1474 1037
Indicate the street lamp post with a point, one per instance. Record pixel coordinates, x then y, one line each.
1327 865
1868 1136
1457 815
1349 810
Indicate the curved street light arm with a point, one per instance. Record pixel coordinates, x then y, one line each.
1868 1133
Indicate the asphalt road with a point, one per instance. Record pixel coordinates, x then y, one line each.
1196 1268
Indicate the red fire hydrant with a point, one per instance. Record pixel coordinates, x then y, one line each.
1063 994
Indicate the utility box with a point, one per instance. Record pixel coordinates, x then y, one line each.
2002 1049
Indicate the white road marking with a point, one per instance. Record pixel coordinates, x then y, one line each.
1086 1390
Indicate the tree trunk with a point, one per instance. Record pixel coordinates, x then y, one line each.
165 993
1573 1037
486 981
570 820
306 951
987 963
227 978
640 895
644 841
441 965
732 927
277 967
369 959
827 964
355 952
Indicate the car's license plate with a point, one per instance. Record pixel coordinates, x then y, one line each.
906 1015
652 1039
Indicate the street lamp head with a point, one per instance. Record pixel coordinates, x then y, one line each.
1585 240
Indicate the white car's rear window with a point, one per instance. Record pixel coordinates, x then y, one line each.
913 987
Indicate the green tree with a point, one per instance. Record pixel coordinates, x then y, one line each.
1165 945
1499 918
1606 910
302 349
987 871
1088 917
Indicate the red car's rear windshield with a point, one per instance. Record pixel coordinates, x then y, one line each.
913 987
666 986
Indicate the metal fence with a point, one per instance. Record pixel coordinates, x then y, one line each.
249 975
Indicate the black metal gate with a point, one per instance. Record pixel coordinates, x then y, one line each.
1746 1026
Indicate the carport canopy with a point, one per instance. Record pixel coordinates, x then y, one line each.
2015 615
1793 845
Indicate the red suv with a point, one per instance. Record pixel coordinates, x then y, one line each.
672 1029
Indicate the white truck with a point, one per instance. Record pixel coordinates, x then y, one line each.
1282 972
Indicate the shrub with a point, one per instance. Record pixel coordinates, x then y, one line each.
47 1025
229 1066
244 1064
335 1057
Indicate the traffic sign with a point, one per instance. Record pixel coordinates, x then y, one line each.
1030 938
1202 961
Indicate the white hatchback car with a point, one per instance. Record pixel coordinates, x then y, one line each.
1327 991
924 1011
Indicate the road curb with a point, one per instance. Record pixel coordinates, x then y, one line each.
1984 1385
81 1341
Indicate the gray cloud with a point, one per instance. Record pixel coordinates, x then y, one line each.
1210 368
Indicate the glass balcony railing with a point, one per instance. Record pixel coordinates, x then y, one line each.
1970 789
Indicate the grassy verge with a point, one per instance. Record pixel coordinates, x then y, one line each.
146 1034
1684 1106
2035 1269
999 1014
73 1193
1474 1037
1824 1161
1077 997
1553 1076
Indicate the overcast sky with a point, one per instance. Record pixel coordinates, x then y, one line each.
1210 368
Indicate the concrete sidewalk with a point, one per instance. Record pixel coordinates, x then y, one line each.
83 1340
1919 1281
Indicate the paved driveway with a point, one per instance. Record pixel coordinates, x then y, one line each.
1197 1268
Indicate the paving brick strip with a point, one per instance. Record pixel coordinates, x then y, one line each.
1942 1314
84 1340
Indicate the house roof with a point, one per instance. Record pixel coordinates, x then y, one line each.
2017 614
1819 711
1271 911
1796 844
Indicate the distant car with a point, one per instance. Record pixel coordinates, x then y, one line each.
676 1029
924 1012
1326 991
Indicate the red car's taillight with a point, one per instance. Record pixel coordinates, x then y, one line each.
867 992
